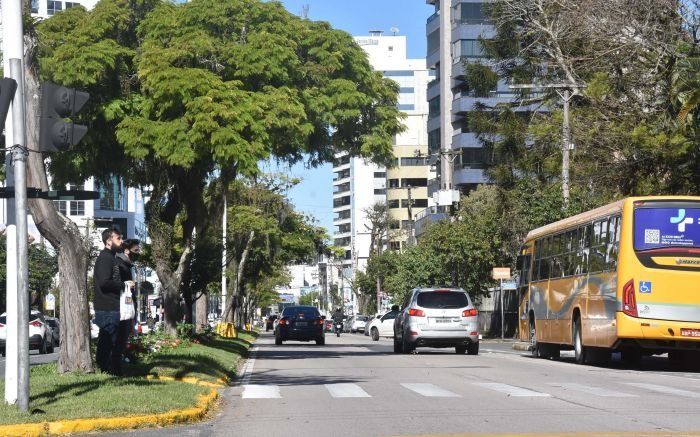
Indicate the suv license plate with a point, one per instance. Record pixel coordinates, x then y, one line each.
685 332
300 323
443 320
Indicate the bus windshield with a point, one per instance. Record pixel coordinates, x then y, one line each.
666 226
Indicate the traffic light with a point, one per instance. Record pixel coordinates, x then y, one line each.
7 93
59 103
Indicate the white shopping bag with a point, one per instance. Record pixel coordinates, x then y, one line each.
126 304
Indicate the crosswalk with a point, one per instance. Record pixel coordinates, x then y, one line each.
470 389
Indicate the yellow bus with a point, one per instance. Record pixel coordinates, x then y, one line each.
621 278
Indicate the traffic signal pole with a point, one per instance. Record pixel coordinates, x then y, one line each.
17 343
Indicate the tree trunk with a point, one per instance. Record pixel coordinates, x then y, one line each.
201 312
64 236
230 313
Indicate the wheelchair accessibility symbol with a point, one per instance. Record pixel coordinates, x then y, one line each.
644 286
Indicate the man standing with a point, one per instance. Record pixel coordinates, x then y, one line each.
108 287
125 262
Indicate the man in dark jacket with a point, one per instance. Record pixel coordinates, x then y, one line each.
125 261
108 287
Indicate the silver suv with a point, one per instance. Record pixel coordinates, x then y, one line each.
437 317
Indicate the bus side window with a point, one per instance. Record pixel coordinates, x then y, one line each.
613 243
597 255
582 255
536 263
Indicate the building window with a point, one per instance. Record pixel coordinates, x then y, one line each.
393 183
473 158
413 162
406 107
469 48
379 191
111 195
61 206
71 4
472 13
394 245
393 204
434 140
420 203
77 207
35 6
53 6
407 90
401 73
434 107
433 42
414 182
380 174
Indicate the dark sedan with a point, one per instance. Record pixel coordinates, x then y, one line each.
301 323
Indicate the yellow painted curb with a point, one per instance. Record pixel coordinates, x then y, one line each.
185 415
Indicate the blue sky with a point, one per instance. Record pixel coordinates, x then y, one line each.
314 194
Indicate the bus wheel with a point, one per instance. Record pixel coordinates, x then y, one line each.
580 351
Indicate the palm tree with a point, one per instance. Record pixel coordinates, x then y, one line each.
686 85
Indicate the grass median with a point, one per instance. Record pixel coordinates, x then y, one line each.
55 397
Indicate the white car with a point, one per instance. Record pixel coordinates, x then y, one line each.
40 334
358 323
383 326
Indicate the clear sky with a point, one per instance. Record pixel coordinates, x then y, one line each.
315 193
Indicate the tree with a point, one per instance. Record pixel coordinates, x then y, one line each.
210 86
43 267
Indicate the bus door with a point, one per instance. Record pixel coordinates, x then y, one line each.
523 267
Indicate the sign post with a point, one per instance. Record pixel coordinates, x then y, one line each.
51 303
501 273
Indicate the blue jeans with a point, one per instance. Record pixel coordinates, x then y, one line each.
108 356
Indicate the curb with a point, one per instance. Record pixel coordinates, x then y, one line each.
180 416
522 346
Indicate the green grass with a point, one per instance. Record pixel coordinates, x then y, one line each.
73 396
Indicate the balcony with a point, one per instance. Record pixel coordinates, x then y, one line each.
433 123
427 217
341 202
469 30
433 89
432 59
468 175
432 24
465 139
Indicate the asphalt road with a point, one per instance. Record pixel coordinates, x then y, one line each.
355 387
34 359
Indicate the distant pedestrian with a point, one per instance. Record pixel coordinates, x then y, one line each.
108 287
126 257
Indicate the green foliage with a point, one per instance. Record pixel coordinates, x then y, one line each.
43 267
479 79
309 299
185 331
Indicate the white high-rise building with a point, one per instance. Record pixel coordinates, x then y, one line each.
359 184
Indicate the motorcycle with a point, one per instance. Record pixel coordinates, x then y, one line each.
338 328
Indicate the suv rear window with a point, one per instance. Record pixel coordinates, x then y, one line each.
301 312
3 319
442 299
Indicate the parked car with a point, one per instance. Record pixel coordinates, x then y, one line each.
437 317
301 323
347 323
55 325
40 335
369 322
383 324
358 323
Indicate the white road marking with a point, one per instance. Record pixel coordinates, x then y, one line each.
248 367
664 389
430 390
346 391
596 391
511 390
261 392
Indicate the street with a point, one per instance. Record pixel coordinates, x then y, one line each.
35 358
353 386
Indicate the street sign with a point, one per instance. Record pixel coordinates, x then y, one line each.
509 285
50 302
500 273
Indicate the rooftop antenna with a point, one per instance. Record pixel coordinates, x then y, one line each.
394 30
305 12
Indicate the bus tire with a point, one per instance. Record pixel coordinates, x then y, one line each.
580 351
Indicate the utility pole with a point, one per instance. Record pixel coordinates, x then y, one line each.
566 91
17 343
410 216
223 255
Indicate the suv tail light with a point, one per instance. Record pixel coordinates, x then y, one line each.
629 302
283 322
416 313
36 324
470 313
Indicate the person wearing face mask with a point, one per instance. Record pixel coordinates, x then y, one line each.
125 261
108 287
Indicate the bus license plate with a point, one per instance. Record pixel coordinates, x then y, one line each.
690 332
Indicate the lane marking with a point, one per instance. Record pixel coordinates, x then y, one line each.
430 390
346 391
261 392
664 389
596 391
247 371
511 390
